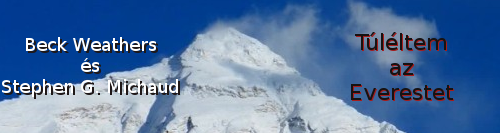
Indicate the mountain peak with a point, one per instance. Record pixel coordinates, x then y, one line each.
220 51
230 45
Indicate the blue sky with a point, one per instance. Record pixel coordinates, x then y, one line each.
470 64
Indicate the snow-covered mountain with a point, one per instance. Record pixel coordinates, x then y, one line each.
230 82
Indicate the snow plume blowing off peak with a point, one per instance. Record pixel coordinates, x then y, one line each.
230 83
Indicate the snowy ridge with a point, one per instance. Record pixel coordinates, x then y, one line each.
230 82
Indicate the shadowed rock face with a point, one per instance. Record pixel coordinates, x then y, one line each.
229 82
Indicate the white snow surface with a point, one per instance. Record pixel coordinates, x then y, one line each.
230 83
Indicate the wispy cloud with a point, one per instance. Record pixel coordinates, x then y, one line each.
365 20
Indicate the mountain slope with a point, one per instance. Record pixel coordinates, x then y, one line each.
230 83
